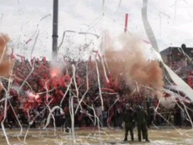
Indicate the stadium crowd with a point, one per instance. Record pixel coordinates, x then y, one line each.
36 89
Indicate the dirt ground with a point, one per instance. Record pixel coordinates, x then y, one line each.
95 137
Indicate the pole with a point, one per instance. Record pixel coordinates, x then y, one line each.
55 30
126 23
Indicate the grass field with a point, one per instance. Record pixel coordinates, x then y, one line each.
95 137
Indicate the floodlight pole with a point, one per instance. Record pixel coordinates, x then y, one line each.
55 30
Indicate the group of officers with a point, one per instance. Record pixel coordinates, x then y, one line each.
137 118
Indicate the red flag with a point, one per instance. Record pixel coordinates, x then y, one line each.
126 23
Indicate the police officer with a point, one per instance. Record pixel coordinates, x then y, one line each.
141 119
128 118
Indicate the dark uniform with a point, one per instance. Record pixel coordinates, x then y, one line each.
128 118
141 119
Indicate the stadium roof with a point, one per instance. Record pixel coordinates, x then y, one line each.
176 50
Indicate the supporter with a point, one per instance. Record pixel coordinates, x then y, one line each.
54 91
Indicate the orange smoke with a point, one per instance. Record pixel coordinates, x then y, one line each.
130 62
5 63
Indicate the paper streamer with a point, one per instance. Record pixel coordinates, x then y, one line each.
147 26
181 85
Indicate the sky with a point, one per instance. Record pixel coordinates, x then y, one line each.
171 21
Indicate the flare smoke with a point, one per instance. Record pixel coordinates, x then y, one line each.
5 63
131 62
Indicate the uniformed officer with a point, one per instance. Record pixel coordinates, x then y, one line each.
128 118
141 120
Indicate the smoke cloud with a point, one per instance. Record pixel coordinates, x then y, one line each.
126 56
5 63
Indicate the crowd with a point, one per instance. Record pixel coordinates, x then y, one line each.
36 90
180 61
